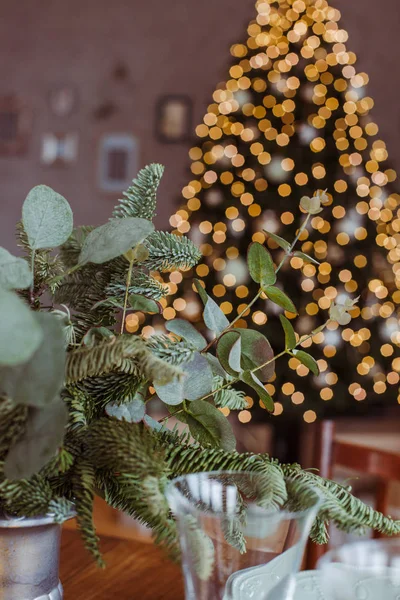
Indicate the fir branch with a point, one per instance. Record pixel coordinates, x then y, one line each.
123 353
228 397
170 350
339 505
61 508
114 387
200 548
126 354
46 266
141 283
170 252
12 424
140 198
84 492
26 497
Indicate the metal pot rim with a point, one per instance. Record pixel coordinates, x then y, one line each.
11 522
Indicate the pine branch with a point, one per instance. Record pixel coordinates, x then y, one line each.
340 506
141 283
170 350
140 198
125 354
170 252
46 266
121 354
84 492
228 397
114 387
61 508
26 498
12 424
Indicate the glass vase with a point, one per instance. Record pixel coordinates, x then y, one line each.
236 543
367 570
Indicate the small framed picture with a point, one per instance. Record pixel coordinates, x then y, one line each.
59 148
15 126
62 100
174 118
118 161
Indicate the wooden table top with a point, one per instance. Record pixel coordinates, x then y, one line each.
134 570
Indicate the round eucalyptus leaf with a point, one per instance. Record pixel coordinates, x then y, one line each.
15 273
20 330
256 350
131 412
40 379
208 425
229 352
252 380
198 381
113 239
43 435
171 393
186 331
47 218
147 305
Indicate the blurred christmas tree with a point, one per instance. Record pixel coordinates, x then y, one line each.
294 117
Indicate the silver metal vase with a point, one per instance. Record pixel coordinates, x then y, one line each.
29 559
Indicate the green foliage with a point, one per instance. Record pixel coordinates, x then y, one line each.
15 273
141 284
47 218
39 380
140 198
290 336
261 265
229 350
200 548
213 316
284 244
279 297
307 360
43 435
207 425
252 380
20 331
169 252
144 304
113 239
228 397
186 331
74 360
256 351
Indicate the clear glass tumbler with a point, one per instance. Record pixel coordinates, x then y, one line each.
367 570
235 544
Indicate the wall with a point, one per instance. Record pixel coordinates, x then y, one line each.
169 46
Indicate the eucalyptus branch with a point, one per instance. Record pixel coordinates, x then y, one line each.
293 244
128 283
31 295
257 296
272 360
63 275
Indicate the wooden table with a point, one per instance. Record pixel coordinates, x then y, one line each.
135 570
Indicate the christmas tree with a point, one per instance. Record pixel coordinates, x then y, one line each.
294 117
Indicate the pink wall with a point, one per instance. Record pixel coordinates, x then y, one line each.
170 46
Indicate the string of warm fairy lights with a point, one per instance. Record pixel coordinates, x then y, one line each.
250 169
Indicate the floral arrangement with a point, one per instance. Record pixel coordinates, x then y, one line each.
75 387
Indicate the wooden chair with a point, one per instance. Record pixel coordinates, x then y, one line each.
375 453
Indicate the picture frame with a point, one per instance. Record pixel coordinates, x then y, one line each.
59 149
118 161
63 100
174 114
15 126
